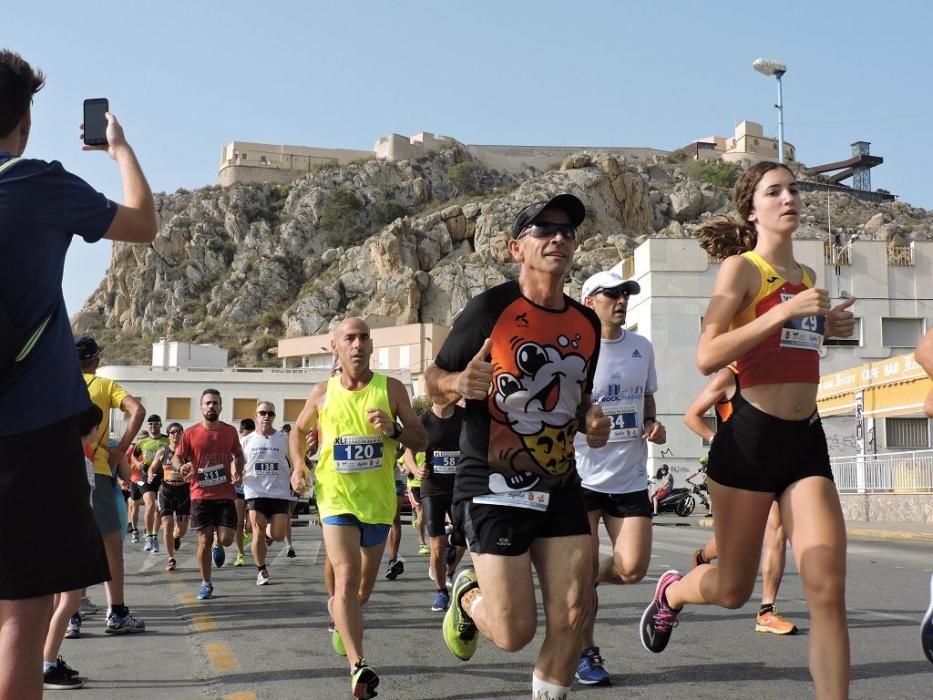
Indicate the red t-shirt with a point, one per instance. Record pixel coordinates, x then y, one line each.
210 451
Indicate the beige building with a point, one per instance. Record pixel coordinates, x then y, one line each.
749 144
243 161
410 348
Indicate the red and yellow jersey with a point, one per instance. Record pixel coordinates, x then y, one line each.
790 353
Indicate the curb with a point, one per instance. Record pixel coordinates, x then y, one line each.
862 533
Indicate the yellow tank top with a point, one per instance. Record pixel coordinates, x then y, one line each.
419 460
356 471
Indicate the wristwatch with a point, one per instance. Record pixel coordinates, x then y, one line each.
396 430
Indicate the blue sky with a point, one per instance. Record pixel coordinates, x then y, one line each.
186 78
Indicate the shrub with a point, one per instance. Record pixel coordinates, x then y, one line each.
714 172
340 218
466 177
421 404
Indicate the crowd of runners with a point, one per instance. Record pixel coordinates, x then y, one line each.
542 412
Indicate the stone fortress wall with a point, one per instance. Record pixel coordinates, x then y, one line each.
247 162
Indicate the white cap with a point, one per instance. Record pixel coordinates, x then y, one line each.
608 279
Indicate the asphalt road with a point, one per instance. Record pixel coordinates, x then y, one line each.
271 642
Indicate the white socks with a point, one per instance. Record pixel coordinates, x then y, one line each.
542 690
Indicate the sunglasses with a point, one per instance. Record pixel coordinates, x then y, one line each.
614 292
271 414
549 231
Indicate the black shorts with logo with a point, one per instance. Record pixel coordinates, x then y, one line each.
213 513
618 505
510 531
437 508
73 556
268 506
135 491
174 499
756 451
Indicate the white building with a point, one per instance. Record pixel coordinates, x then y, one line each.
676 276
174 392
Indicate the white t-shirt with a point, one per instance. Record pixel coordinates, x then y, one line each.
267 472
624 374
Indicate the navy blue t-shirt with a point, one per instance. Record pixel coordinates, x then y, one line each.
41 207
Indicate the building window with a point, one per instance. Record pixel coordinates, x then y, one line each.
178 408
855 339
711 424
292 409
901 332
383 361
242 156
404 357
907 433
244 408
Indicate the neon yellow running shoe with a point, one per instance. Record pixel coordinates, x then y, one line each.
460 631
423 549
335 639
240 560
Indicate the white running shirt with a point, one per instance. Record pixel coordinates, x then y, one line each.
267 473
624 374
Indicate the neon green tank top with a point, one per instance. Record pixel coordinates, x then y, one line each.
419 460
150 446
356 471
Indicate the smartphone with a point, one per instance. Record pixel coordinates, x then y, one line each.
95 121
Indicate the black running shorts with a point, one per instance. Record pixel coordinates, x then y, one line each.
50 542
174 499
510 531
618 505
135 491
268 506
151 486
436 509
757 452
213 513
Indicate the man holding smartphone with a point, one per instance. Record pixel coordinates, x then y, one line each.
41 207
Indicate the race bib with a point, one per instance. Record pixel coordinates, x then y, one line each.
445 461
212 475
623 421
532 500
266 468
359 453
802 333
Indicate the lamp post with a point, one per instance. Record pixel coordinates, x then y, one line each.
769 66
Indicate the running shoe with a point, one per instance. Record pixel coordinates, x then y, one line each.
698 559
218 555
449 582
155 543
177 543
247 538
239 560
335 638
926 627
57 679
268 541
290 552
590 669
459 629
73 631
87 607
774 623
66 669
206 590
262 578
423 549
396 568
146 547
431 573
124 624
129 528
363 681
171 565
659 619
134 536
441 601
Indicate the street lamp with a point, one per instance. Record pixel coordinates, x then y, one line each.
768 66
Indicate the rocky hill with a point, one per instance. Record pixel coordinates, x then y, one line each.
397 242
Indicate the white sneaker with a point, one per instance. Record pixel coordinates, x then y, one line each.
431 573
87 607
155 543
262 578
148 546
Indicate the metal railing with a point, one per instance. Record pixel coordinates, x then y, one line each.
894 472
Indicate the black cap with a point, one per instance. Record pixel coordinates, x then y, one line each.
87 348
154 418
564 201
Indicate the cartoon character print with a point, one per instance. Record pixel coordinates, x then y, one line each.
538 380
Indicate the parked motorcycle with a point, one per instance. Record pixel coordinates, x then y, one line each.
679 501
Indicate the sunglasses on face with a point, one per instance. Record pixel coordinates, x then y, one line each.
271 414
550 230
614 292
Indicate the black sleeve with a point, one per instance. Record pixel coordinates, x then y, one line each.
597 330
472 327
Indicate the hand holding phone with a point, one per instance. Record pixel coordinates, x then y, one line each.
95 121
